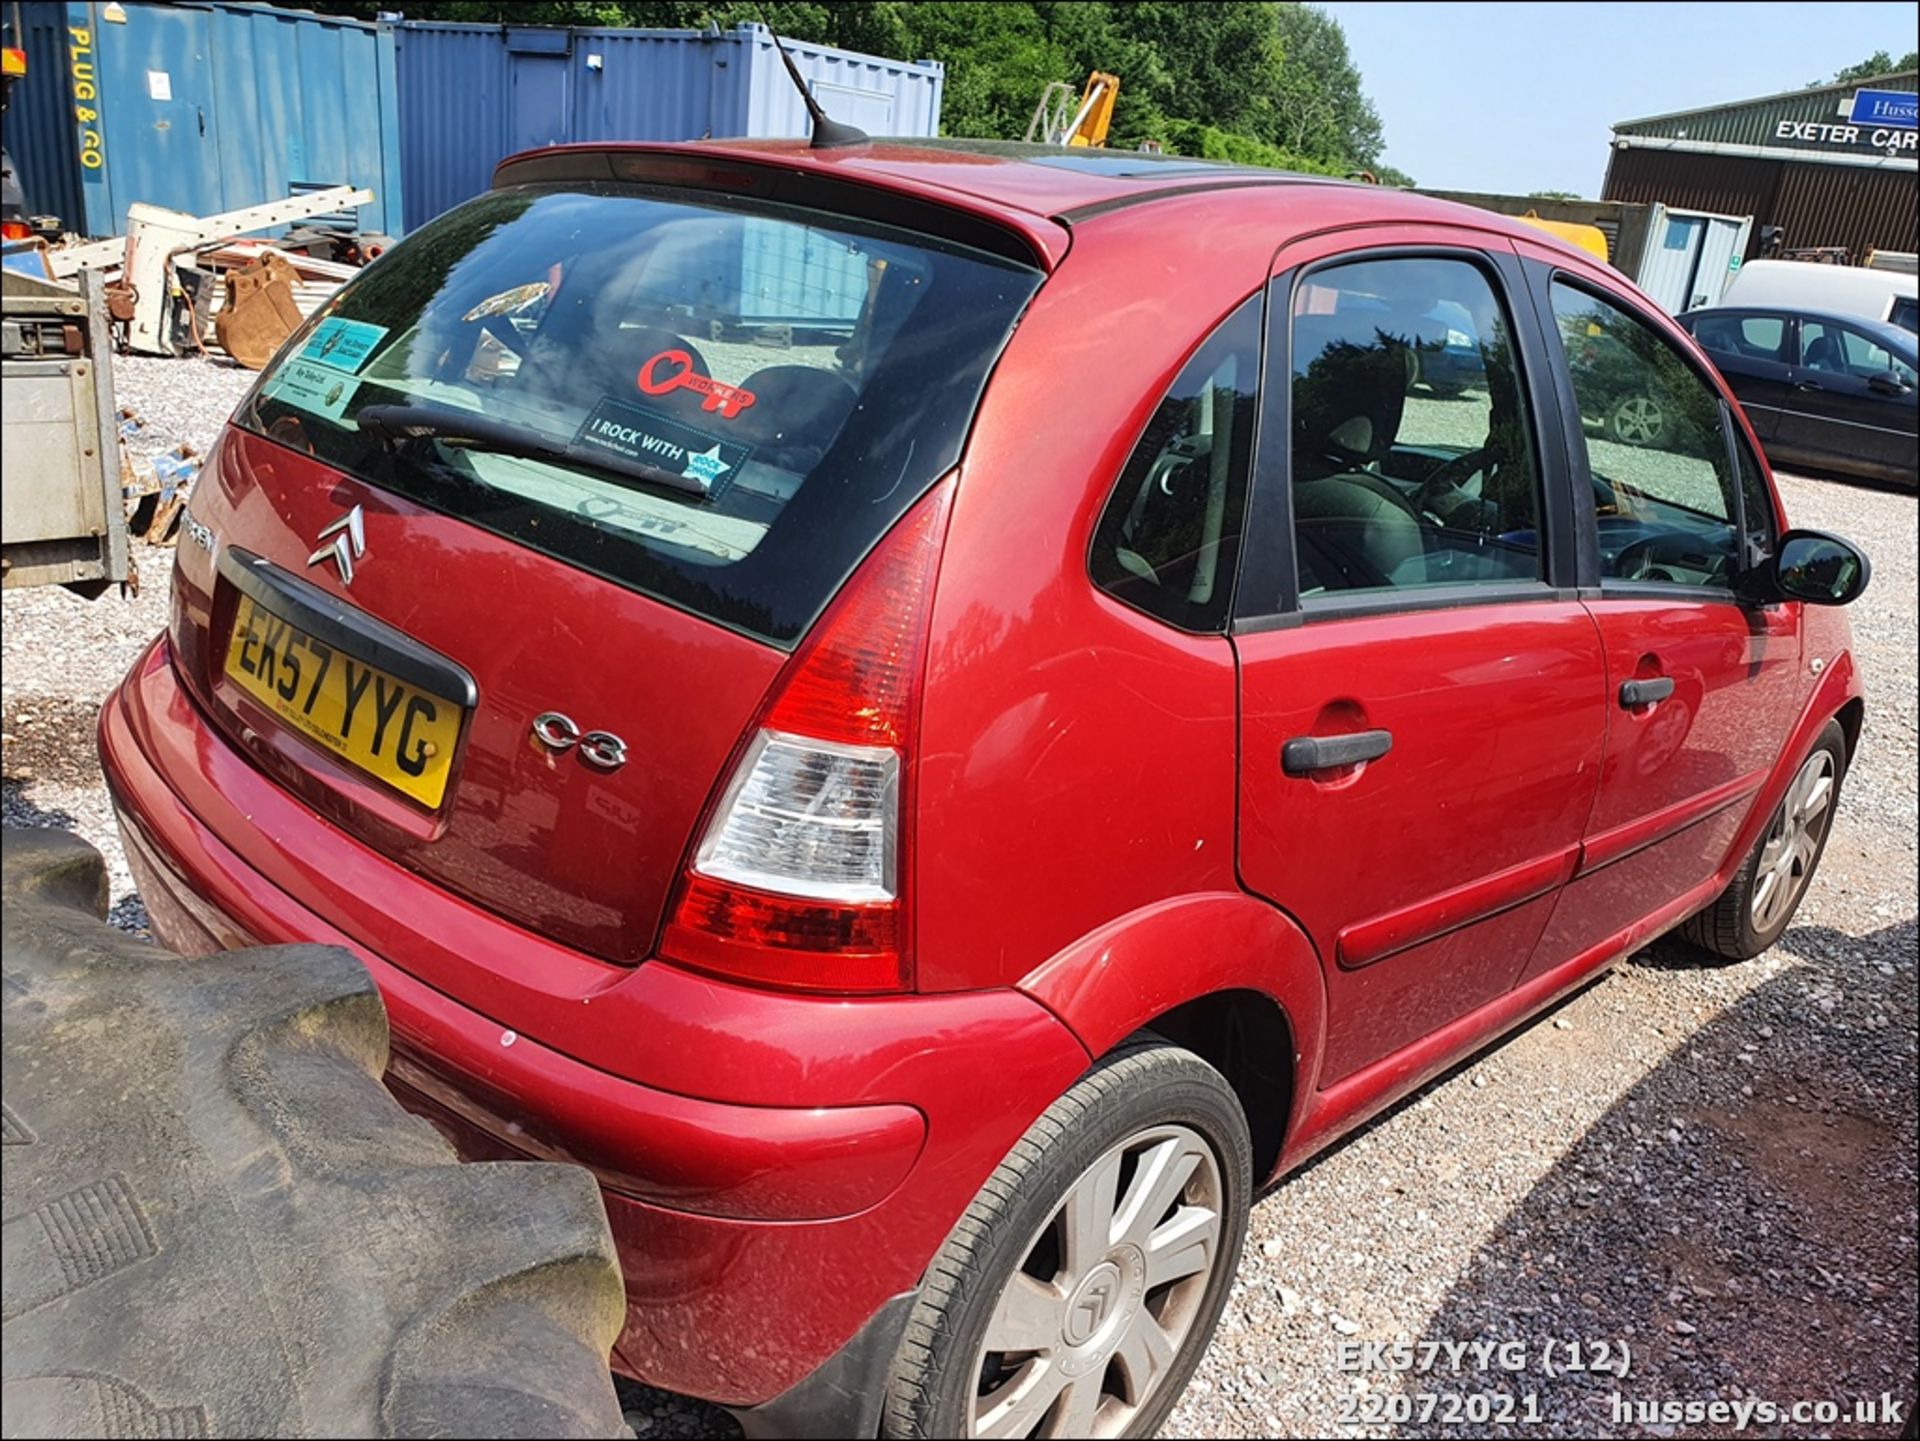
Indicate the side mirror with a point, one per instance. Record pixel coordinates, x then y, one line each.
1819 569
1888 382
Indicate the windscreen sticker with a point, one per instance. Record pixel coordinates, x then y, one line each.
637 434
347 344
317 389
672 370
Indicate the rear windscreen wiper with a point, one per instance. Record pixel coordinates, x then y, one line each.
462 427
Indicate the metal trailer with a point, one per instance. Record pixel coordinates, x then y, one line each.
1683 259
61 517
470 95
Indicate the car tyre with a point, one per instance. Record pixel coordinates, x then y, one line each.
1759 904
219 1222
1079 1290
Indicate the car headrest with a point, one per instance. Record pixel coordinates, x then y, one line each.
797 411
1350 388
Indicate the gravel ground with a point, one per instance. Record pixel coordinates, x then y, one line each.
1654 1165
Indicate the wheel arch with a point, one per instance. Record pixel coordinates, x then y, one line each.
1245 1036
1852 717
1223 974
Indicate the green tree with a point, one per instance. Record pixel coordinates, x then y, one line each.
1317 104
1878 63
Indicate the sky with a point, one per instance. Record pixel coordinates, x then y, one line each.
1519 97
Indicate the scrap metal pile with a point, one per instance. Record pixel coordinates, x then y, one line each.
179 284
173 285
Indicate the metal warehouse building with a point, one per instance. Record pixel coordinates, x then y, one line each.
1832 167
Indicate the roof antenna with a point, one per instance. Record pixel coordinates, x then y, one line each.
828 133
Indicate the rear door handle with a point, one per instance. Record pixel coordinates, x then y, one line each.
1303 755
1645 692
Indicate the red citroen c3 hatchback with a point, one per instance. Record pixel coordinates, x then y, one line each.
938 714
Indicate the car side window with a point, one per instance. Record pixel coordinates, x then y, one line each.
1412 448
1169 538
1754 337
1664 493
1840 350
1764 337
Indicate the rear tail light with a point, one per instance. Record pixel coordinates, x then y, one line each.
799 879
15 230
809 818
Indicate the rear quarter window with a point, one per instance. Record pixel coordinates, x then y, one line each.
718 402
1169 537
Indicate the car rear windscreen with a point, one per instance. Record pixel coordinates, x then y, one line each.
718 402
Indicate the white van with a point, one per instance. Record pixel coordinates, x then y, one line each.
1835 289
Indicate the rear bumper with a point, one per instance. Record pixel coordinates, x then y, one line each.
762 1217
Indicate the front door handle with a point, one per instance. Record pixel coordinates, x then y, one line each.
1303 755
1645 692
1808 385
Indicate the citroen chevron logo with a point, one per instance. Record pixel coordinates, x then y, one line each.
349 534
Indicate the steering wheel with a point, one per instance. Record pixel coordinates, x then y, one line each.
460 354
1445 479
1649 558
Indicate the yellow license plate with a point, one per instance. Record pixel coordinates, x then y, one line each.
393 731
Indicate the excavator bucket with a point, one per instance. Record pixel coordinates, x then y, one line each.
259 312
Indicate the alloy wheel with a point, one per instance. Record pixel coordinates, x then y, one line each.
1086 1332
1793 842
1639 420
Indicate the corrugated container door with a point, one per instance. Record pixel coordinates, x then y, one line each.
453 84
654 85
40 123
207 107
1670 261
1718 246
538 77
158 116
304 102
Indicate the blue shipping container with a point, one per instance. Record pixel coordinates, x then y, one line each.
470 95
39 126
201 106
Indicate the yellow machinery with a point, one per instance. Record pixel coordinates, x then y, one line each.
1589 238
1060 120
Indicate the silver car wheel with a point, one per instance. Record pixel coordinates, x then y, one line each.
1793 842
1088 1328
1639 420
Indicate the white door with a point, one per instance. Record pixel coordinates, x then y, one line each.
1670 259
1717 249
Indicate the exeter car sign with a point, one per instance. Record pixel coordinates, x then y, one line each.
1897 108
